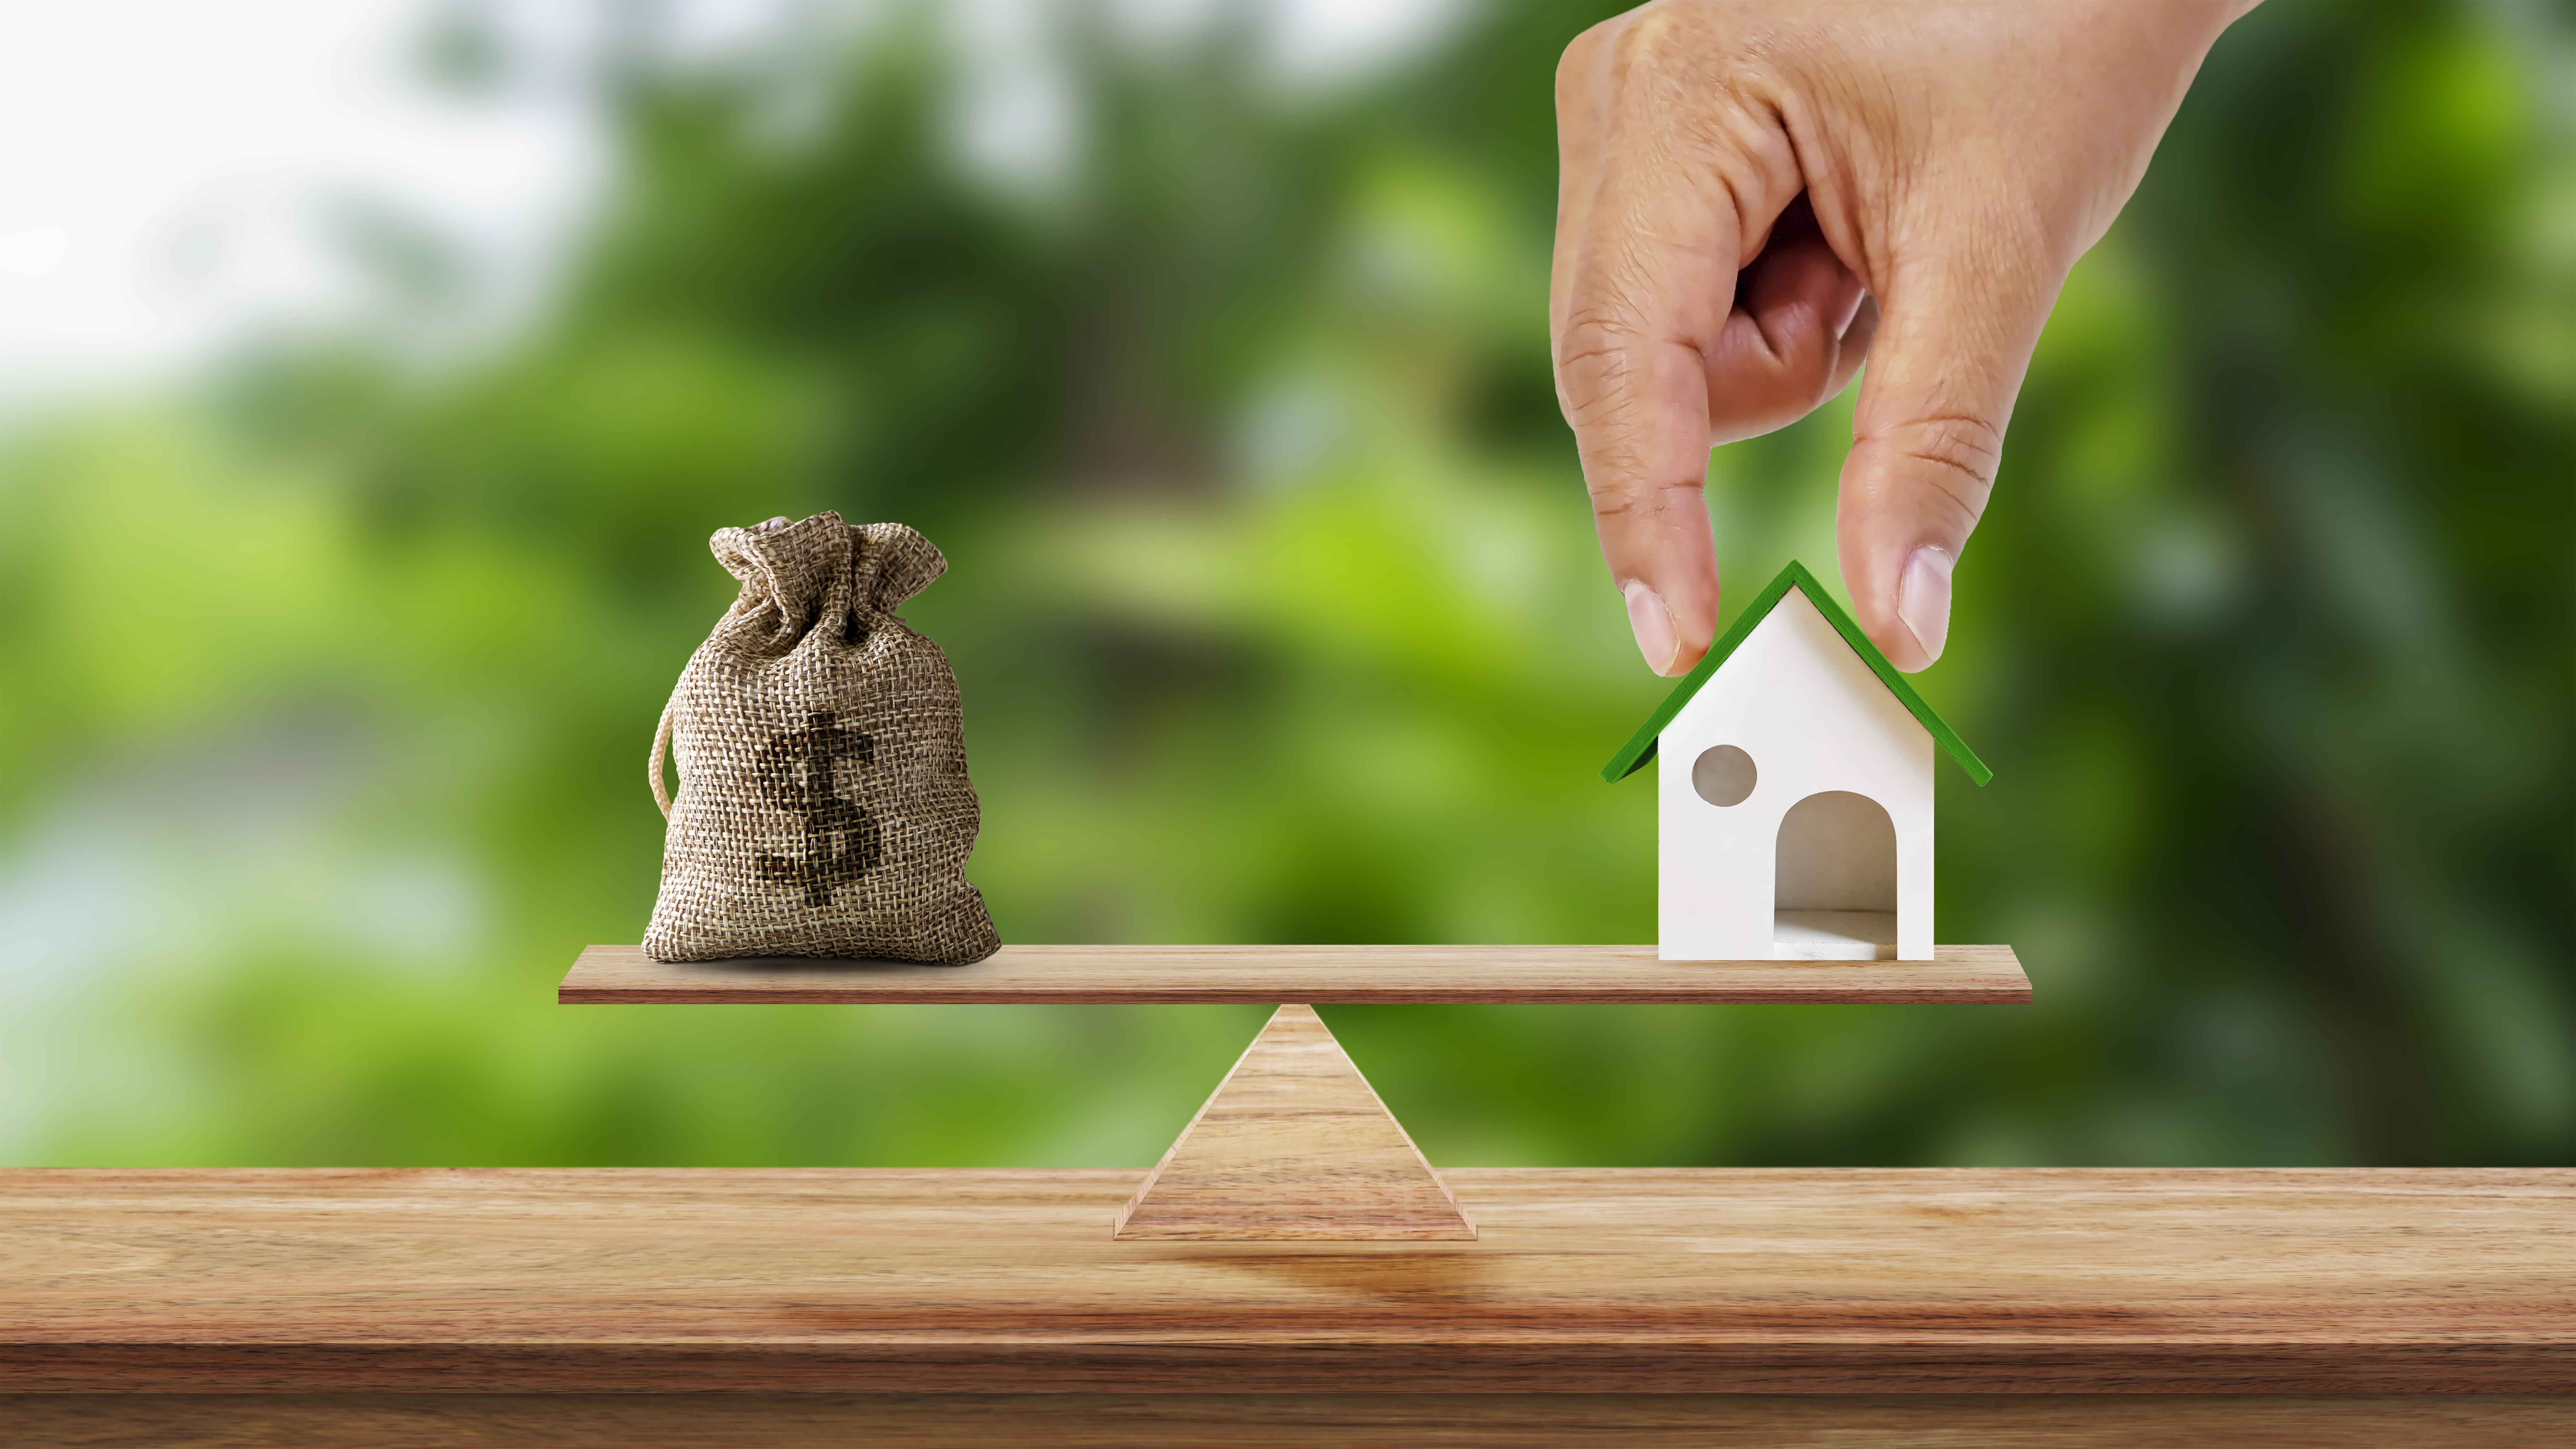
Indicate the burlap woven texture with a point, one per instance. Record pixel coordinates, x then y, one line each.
824 808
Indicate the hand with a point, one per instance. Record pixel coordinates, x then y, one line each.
1756 194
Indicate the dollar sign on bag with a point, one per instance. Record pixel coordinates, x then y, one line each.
798 772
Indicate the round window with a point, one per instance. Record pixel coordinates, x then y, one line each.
1723 775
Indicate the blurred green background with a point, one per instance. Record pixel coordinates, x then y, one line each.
1277 610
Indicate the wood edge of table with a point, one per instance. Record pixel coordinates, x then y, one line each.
2361 1353
1339 1420
1399 1367
1983 983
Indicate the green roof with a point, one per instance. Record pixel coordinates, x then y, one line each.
1641 746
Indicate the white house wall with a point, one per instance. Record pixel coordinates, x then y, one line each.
1798 700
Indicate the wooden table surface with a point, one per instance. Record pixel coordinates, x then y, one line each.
1632 1282
1269 975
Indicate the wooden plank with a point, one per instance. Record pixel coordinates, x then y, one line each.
1287 1421
1327 975
1293 1144
1850 1281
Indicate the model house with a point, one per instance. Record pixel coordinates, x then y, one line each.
1794 806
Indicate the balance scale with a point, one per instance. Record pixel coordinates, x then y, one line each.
1293 1145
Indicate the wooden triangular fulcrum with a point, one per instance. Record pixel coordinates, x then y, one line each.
1294 1144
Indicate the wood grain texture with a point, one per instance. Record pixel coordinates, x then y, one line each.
2305 1281
1284 1421
1329 975
1293 1144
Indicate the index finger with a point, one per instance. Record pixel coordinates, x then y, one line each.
1648 247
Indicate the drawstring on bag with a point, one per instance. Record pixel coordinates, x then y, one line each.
661 744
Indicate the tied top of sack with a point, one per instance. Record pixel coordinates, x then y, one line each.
817 574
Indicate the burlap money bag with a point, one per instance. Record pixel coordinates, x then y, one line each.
823 807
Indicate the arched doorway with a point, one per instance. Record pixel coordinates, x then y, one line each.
1834 890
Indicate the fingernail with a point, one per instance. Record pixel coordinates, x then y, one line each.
1653 625
1923 598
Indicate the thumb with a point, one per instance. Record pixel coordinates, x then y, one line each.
1953 343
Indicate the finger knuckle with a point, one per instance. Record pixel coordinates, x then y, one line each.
1657 43
1961 452
1635 504
1601 409
1595 337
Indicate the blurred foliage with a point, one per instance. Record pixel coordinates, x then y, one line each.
1278 615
